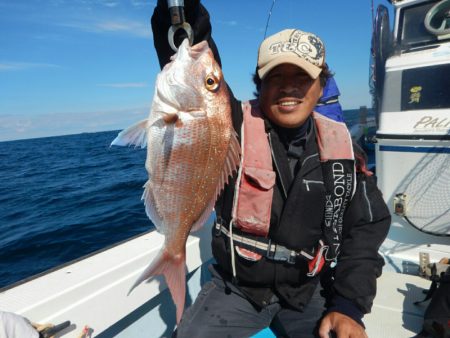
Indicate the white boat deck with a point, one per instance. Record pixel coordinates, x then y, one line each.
93 292
394 314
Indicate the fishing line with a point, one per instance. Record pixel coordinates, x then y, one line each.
373 18
268 18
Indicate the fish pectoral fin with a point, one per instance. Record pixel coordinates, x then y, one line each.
135 135
170 118
173 267
197 113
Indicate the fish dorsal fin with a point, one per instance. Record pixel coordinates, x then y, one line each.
231 163
135 135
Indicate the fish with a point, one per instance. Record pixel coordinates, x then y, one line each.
192 150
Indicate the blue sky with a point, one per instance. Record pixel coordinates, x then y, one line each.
71 66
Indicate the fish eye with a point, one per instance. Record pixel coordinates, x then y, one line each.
212 82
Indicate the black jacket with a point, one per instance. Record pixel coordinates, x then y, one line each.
297 212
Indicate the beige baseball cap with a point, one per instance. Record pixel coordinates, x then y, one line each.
293 46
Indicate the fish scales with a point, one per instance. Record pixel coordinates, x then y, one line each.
184 194
192 149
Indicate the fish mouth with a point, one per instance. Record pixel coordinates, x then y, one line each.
193 52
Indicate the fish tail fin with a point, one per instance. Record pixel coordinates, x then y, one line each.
175 275
173 267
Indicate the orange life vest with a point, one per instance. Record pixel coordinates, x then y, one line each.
256 177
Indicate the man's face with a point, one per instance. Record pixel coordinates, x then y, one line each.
288 95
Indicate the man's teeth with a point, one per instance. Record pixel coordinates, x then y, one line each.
288 103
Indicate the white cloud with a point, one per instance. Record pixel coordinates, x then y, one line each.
110 3
85 3
94 16
14 127
124 85
135 28
22 125
17 66
228 23
142 3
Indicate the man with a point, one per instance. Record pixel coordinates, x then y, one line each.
13 325
301 209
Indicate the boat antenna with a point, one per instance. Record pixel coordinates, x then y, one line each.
268 19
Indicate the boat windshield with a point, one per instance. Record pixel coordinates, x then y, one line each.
412 27
426 88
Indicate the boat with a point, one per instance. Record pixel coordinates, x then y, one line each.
411 89
413 136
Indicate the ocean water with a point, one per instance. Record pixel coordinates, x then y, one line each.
65 197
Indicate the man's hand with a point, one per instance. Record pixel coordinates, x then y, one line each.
342 325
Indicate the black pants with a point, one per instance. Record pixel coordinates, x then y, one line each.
222 311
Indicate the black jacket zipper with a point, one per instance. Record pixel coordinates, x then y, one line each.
276 166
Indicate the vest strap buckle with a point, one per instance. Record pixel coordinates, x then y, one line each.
281 253
219 223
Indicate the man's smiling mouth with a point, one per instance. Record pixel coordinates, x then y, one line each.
289 102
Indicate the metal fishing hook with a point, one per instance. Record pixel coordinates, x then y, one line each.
176 9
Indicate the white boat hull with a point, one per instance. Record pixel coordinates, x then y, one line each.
413 167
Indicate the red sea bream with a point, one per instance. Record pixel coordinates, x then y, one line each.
192 149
